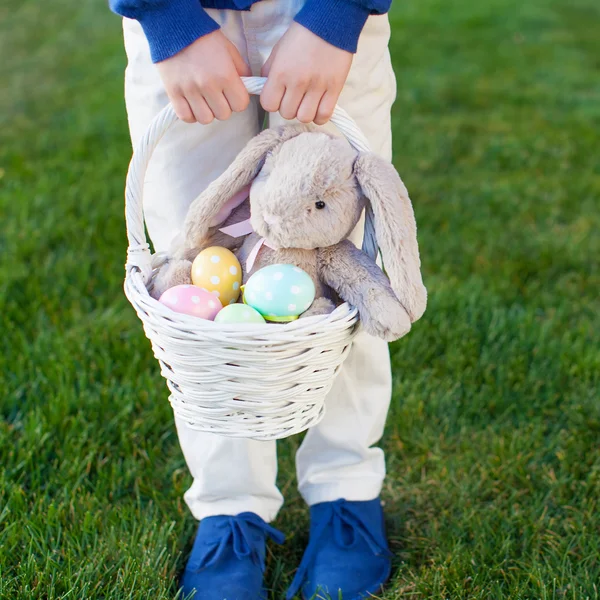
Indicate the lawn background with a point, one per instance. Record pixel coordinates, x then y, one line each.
493 436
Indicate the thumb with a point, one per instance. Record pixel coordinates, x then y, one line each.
241 66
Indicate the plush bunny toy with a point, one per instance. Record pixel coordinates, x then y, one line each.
308 191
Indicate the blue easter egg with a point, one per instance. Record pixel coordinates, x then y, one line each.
280 292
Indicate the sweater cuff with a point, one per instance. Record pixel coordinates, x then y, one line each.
338 22
185 20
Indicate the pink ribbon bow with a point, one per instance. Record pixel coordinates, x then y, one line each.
242 228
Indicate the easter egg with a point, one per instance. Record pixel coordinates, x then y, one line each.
239 314
191 300
280 292
217 270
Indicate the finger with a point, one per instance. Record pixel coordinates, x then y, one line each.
270 98
241 66
307 111
202 112
237 96
218 104
182 109
266 68
326 107
290 102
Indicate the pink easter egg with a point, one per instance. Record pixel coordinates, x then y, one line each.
192 300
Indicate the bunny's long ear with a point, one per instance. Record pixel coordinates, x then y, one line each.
240 173
396 230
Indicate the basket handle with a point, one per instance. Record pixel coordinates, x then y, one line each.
138 253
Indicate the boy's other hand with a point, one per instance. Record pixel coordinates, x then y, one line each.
203 80
305 76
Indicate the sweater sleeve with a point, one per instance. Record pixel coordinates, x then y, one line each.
169 25
340 22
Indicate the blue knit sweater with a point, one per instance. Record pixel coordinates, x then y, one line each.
171 25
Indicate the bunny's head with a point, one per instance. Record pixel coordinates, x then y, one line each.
308 190
306 195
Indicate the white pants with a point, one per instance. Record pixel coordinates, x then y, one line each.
336 459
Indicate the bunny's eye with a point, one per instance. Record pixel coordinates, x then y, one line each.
320 204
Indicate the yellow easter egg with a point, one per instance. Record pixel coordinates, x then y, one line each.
217 270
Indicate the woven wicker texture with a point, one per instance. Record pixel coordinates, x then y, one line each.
256 381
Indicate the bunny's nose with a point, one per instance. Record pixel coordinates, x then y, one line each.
270 219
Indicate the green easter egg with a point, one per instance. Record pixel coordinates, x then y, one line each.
238 313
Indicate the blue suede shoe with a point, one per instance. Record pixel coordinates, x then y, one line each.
228 558
347 552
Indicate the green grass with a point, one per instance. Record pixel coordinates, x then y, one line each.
493 438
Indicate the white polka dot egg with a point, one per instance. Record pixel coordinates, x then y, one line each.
191 300
217 270
280 292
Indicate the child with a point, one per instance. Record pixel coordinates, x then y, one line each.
315 53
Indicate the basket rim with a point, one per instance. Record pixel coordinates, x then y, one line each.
195 324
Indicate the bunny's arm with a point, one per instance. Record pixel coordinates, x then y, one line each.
359 280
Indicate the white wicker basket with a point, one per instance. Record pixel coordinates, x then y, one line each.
256 381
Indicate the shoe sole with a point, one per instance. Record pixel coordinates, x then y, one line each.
363 595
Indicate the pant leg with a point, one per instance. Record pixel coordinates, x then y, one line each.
337 458
230 475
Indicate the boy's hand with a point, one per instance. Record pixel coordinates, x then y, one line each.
305 76
203 80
